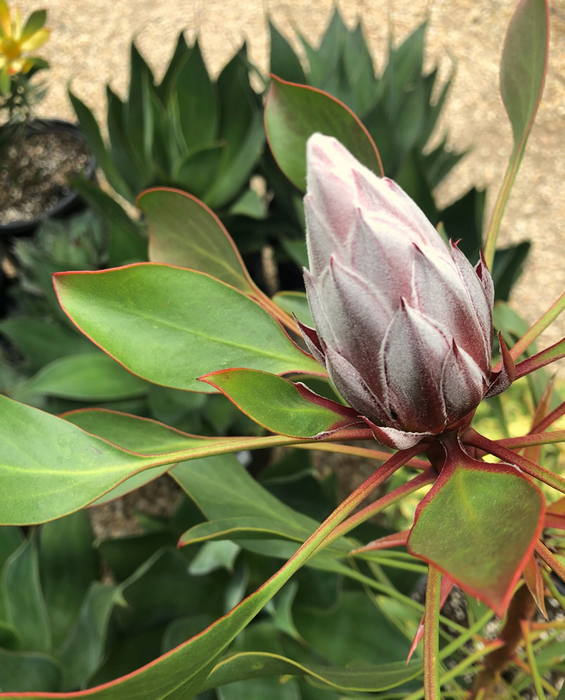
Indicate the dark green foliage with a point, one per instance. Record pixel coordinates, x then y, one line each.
186 132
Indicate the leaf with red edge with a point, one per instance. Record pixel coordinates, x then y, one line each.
479 524
184 232
171 325
281 406
294 112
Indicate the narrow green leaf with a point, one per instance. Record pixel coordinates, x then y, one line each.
127 160
284 62
89 376
293 113
185 232
367 678
23 598
68 566
170 325
279 405
522 77
180 55
197 101
84 649
91 131
137 123
462 514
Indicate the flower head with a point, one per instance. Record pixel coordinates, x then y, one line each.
16 41
403 322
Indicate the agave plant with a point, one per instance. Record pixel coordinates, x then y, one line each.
185 132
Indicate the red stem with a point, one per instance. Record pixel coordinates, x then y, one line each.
549 419
495 448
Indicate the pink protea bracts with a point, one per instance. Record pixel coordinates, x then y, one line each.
403 322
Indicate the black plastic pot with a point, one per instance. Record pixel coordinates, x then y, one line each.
71 202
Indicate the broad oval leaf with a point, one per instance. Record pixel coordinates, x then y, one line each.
479 524
282 406
170 326
294 112
89 376
184 232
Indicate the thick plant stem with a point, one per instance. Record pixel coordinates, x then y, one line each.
522 608
432 690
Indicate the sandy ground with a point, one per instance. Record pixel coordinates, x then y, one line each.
90 40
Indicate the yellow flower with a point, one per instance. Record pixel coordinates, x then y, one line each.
15 42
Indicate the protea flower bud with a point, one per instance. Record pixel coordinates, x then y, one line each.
403 322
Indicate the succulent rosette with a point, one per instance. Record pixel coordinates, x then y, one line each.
403 322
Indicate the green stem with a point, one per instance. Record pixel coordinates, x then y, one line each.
432 689
532 660
536 330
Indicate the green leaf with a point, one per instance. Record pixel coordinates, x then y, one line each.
180 55
83 650
523 66
197 171
139 435
127 160
68 566
23 598
50 468
352 623
293 113
522 77
137 118
358 678
184 232
43 342
34 23
243 528
213 556
170 326
295 303
223 489
91 131
10 539
28 673
241 128
89 376
492 511
197 101
126 554
279 405
508 267
163 589
284 63
127 243
65 468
